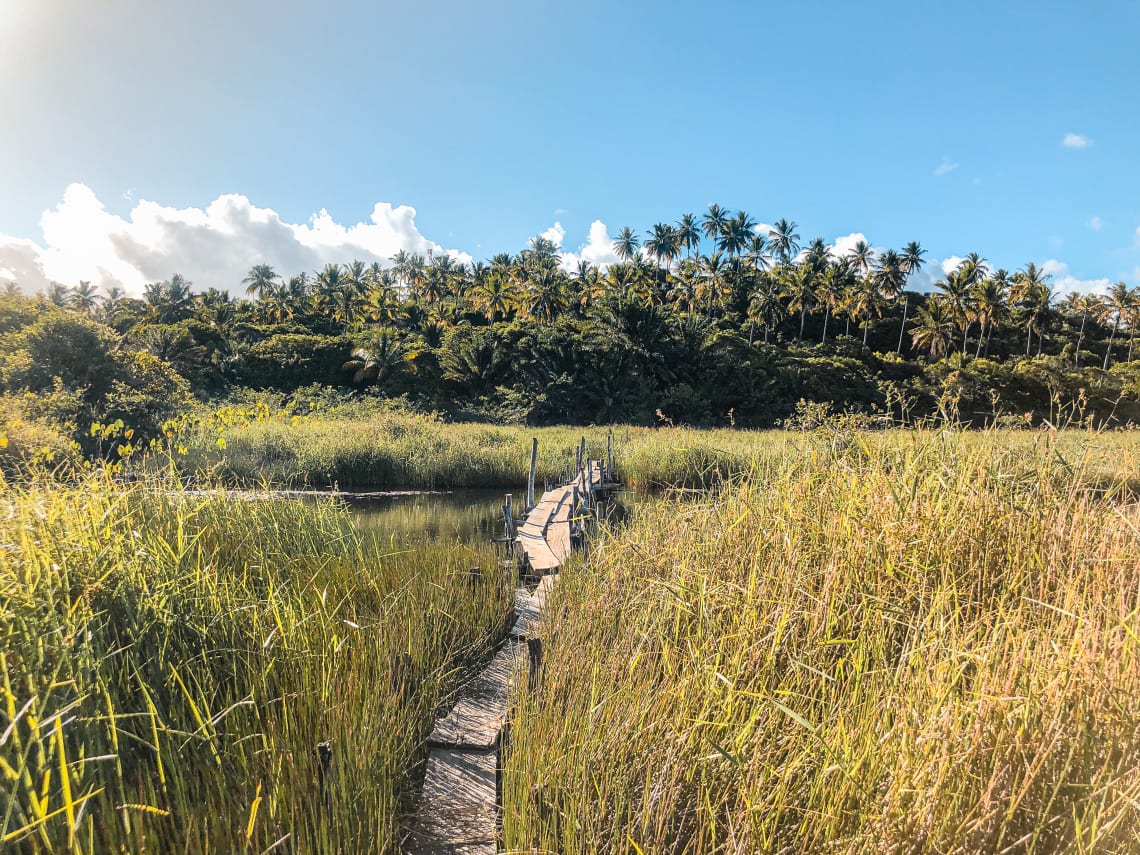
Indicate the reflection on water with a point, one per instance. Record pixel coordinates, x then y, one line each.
458 516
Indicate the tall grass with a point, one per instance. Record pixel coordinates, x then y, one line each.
169 665
905 643
386 448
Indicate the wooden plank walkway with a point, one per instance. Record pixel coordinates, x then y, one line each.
458 811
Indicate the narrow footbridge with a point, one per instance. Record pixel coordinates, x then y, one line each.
459 808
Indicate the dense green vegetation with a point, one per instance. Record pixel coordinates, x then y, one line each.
891 642
170 663
709 323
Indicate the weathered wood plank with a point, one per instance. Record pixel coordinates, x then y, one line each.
458 807
478 715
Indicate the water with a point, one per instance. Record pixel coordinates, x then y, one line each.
458 516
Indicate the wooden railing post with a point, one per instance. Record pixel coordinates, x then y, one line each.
530 478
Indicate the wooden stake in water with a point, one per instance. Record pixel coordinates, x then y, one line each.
530 479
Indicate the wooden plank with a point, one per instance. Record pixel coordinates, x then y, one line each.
478 715
457 811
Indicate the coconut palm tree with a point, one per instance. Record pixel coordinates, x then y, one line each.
862 257
688 234
663 246
1084 305
956 289
260 281
1118 305
497 295
626 244
990 298
714 222
933 329
784 240
765 305
1033 296
713 270
84 297
737 234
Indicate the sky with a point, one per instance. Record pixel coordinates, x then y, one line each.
142 138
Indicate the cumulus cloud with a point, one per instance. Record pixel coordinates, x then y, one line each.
1096 223
555 234
1064 281
598 249
212 247
945 167
1071 140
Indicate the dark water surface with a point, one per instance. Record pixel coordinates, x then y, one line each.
457 516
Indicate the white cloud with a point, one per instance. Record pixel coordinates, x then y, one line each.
1136 240
844 245
212 247
1064 281
1096 223
945 167
1071 140
555 234
598 249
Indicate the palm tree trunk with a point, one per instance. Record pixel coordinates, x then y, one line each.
989 335
902 329
751 332
1080 338
803 317
765 332
1028 338
981 335
866 329
1131 338
826 315
1108 352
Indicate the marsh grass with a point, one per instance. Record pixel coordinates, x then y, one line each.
170 663
903 643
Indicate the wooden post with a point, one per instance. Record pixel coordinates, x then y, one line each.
530 479
587 485
324 766
534 661
509 524
610 455
581 453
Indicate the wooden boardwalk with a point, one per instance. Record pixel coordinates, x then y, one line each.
458 811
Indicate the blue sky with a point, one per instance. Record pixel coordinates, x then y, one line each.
494 120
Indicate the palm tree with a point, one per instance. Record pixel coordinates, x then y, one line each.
911 264
1031 292
58 294
688 233
829 289
912 258
384 353
737 234
546 294
934 327
784 240
1083 305
990 299
626 244
714 222
713 280
956 288
765 305
260 281
861 256
663 246
84 297
1118 305
797 285
497 295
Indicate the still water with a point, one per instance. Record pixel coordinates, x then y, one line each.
457 516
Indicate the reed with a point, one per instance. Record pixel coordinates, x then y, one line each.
212 674
900 642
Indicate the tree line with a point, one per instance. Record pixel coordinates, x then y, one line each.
705 320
